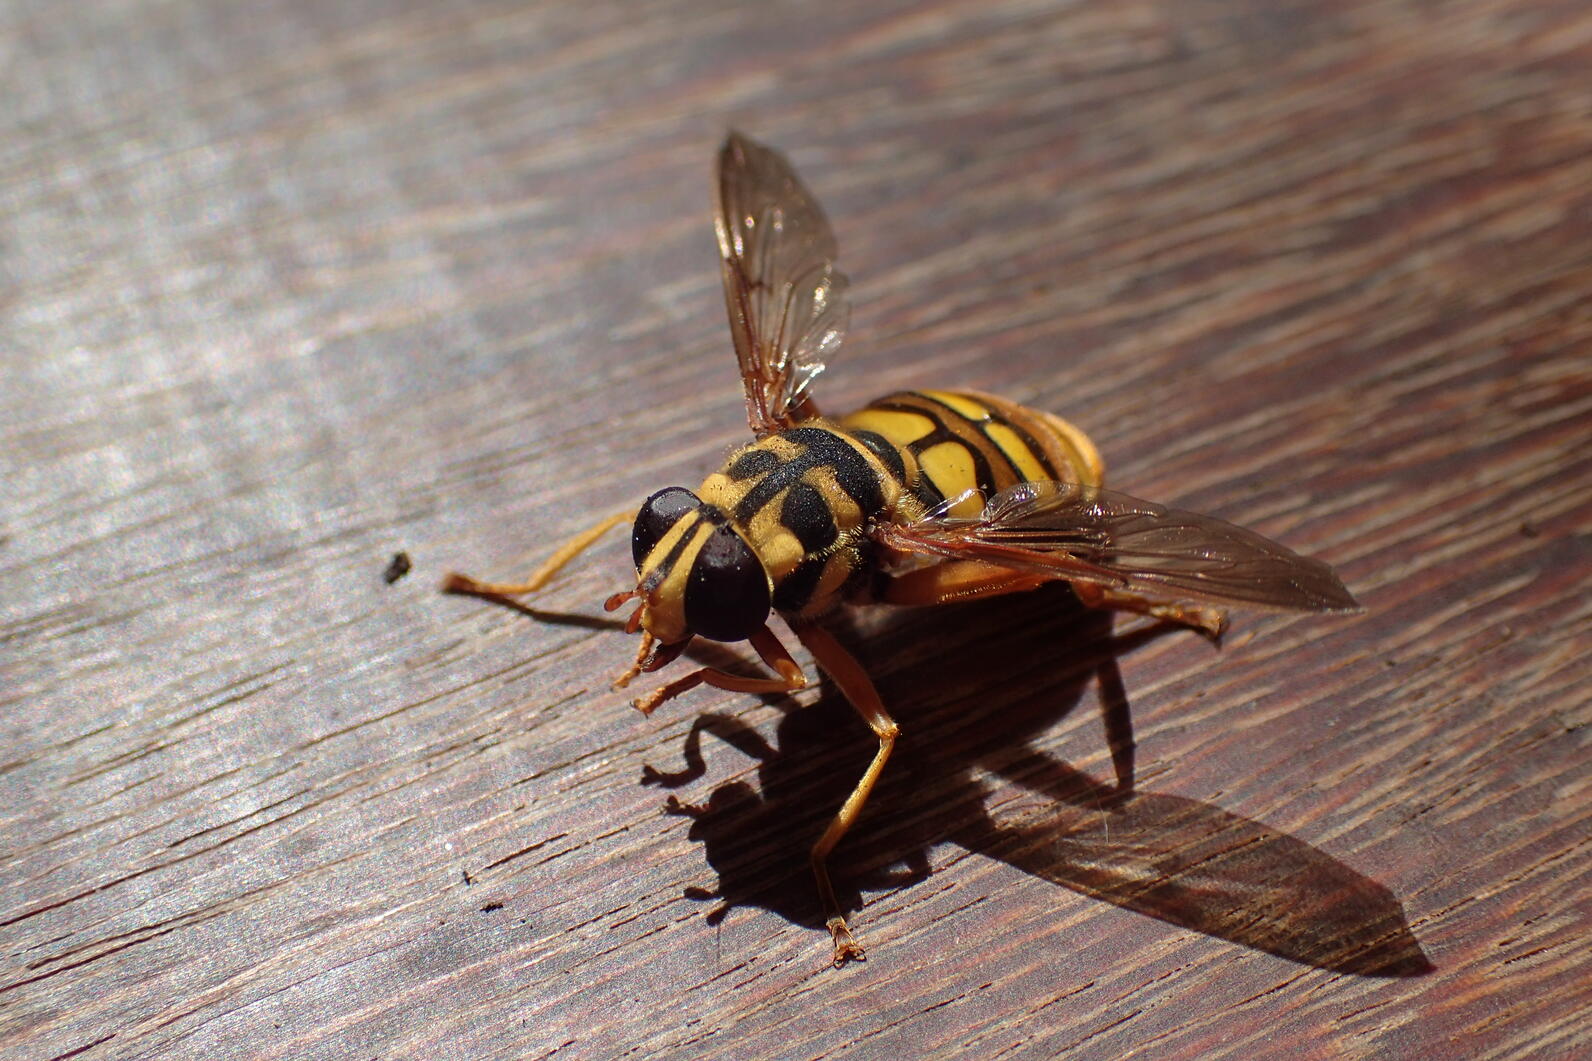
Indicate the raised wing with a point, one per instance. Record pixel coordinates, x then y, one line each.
787 303
1090 534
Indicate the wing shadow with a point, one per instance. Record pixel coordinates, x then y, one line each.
973 686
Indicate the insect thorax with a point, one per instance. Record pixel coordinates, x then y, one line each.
802 499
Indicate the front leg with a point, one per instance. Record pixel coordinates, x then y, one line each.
457 583
768 648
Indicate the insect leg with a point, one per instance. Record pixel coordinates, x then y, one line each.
456 583
773 654
1210 621
858 688
956 580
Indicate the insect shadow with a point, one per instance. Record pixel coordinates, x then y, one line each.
973 687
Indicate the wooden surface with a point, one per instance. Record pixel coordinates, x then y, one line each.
290 287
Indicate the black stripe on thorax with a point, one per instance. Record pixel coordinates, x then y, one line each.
796 588
751 464
820 448
805 514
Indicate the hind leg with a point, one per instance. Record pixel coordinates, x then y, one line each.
1209 621
956 580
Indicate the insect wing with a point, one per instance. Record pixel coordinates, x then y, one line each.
1096 535
787 302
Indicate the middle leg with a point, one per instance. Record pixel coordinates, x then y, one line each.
856 686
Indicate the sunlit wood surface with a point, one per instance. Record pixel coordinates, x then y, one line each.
290 287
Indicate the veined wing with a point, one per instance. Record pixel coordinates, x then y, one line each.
1090 534
787 302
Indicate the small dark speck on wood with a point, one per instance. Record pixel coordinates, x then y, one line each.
398 568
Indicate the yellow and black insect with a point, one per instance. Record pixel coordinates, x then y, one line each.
922 497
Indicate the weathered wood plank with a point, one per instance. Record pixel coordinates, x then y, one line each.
289 288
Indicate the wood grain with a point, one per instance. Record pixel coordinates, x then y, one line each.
289 288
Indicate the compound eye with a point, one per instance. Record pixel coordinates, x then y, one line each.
727 597
658 513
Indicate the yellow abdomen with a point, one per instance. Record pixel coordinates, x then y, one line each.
969 446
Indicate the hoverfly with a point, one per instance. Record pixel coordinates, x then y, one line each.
921 497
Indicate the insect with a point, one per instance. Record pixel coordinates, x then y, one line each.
919 498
